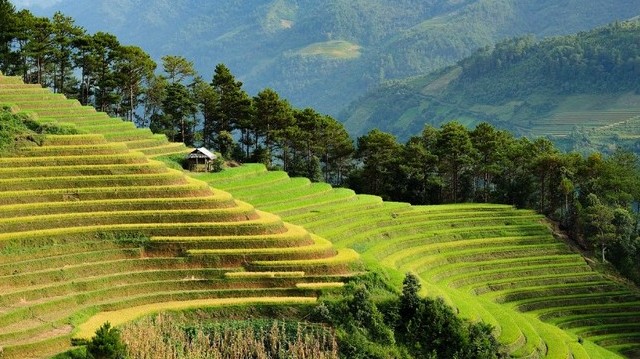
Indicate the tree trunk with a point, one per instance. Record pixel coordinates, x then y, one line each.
182 127
131 103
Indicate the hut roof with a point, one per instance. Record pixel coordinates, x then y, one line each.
201 152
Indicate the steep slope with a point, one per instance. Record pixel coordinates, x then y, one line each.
292 43
492 262
573 88
88 226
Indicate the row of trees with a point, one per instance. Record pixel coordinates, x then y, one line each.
605 59
593 197
264 128
96 69
121 80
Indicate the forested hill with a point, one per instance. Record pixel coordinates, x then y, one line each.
325 54
574 88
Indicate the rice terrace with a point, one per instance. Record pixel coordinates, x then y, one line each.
85 214
94 227
382 179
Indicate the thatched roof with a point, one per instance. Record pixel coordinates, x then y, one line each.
202 152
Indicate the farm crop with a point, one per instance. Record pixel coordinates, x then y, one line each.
91 228
492 262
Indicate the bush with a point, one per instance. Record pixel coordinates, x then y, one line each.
51 128
106 344
12 129
405 326
217 164
253 338
76 353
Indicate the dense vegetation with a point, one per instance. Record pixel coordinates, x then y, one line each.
440 166
12 128
408 326
354 325
257 338
600 60
394 39
53 52
17 131
593 197
458 233
562 86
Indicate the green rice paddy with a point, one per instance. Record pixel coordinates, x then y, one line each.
492 262
92 228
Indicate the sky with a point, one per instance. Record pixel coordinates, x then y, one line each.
32 4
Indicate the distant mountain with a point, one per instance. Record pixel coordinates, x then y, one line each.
582 91
325 54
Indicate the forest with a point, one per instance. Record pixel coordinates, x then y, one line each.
602 60
572 88
120 80
398 39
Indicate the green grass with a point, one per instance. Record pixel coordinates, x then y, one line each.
302 192
335 49
125 158
87 170
491 262
57 109
271 178
229 174
218 203
185 190
152 179
319 249
70 140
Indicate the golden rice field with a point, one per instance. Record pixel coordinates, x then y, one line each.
92 229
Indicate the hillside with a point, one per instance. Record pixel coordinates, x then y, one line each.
327 54
93 229
491 262
580 89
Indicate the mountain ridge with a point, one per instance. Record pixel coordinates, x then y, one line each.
563 87
397 39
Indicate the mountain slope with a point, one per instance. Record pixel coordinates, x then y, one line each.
565 86
89 224
492 262
266 43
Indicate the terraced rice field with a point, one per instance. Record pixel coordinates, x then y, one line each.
48 107
92 229
564 123
491 262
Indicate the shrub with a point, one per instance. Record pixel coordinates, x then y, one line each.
217 164
51 128
11 130
106 344
405 326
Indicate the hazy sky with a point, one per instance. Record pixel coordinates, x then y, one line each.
21 4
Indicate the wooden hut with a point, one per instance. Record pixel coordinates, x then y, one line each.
201 160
